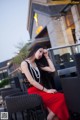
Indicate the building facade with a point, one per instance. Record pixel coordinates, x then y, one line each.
56 23
4 69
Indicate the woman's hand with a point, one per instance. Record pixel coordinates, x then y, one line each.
45 53
51 91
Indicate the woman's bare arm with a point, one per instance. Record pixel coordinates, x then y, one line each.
25 70
51 67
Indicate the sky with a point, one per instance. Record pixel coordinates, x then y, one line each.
13 27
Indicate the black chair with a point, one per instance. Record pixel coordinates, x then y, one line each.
77 62
4 89
71 89
7 92
20 101
57 58
66 57
69 64
2 104
57 82
30 107
15 83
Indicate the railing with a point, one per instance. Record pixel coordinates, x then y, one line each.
65 46
64 60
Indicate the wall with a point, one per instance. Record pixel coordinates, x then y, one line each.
42 21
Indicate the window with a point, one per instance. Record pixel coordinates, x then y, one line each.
69 18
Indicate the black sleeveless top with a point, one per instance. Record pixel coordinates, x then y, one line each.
35 73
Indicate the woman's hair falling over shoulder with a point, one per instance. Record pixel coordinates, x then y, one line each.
42 62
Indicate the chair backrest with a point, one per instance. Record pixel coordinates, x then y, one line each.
4 89
66 57
30 106
77 61
57 58
15 83
57 82
71 89
22 102
9 92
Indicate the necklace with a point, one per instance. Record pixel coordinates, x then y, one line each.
36 71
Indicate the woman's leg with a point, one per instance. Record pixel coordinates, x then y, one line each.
51 100
50 114
55 118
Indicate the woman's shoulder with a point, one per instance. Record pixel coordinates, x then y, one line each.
24 62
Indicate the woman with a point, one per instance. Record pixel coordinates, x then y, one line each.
38 60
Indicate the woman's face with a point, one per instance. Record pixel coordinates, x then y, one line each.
39 53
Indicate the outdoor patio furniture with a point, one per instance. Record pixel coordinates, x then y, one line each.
25 106
69 64
7 92
33 104
66 57
4 89
14 82
77 61
71 90
67 71
57 58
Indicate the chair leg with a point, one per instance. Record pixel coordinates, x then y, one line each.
23 115
28 115
15 115
10 117
39 113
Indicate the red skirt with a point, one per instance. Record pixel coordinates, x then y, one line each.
55 102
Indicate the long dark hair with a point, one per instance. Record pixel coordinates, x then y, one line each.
41 62
46 77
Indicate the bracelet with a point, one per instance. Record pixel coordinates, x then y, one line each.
43 88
